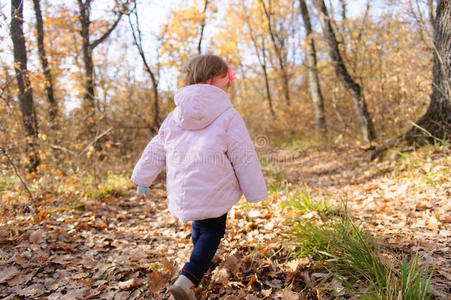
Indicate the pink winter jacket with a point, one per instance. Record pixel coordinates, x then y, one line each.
209 157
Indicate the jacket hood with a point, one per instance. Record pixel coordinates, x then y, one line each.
198 105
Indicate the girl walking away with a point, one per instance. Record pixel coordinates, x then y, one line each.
210 162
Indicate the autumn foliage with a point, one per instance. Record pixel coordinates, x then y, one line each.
72 204
389 54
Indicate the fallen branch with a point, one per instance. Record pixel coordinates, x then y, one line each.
95 140
426 132
56 147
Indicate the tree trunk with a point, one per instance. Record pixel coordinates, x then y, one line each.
268 91
315 89
431 11
263 64
29 119
278 47
53 111
353 88
262 61
202 27
137 37
88 97
436 122
339 116
89 105
343 10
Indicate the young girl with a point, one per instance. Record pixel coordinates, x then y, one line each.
210 162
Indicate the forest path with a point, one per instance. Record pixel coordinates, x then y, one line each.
130 247
405 201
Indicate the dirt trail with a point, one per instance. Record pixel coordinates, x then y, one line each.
406 202
130 247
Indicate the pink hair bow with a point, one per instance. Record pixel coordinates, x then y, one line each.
221 82
231 75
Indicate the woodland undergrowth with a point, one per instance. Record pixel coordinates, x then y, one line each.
336 225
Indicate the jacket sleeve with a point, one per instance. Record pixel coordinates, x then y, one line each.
152 161
244 159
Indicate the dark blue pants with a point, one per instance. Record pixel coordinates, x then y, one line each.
206 235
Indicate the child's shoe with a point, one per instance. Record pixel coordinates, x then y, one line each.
182 289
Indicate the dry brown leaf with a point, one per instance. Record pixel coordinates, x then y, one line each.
156 281
446 275
8 273
55 296
232 263
252 280
446 219
275 283
125 285
220 275
287 294
36 236
294 266
423 206
121 296
61 259
267 292
269 226
34 290
108 295
308 279
75 294
22 278
337 287
20 260
80 275
4 236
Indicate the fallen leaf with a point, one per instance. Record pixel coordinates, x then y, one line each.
287 294
22 278
36 236
275 283
269 226
252 280
294 266
125 285
55 296
8 273
121 296
4 236
34 290
75 294
337 287
267 292
422 206
232 263
220 275
156 281
20 260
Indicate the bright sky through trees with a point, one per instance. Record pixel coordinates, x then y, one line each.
153 15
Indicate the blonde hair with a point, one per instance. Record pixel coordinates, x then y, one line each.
204 67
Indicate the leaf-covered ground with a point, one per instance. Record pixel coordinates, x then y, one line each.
129 247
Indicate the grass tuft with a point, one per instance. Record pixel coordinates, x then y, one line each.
353 256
